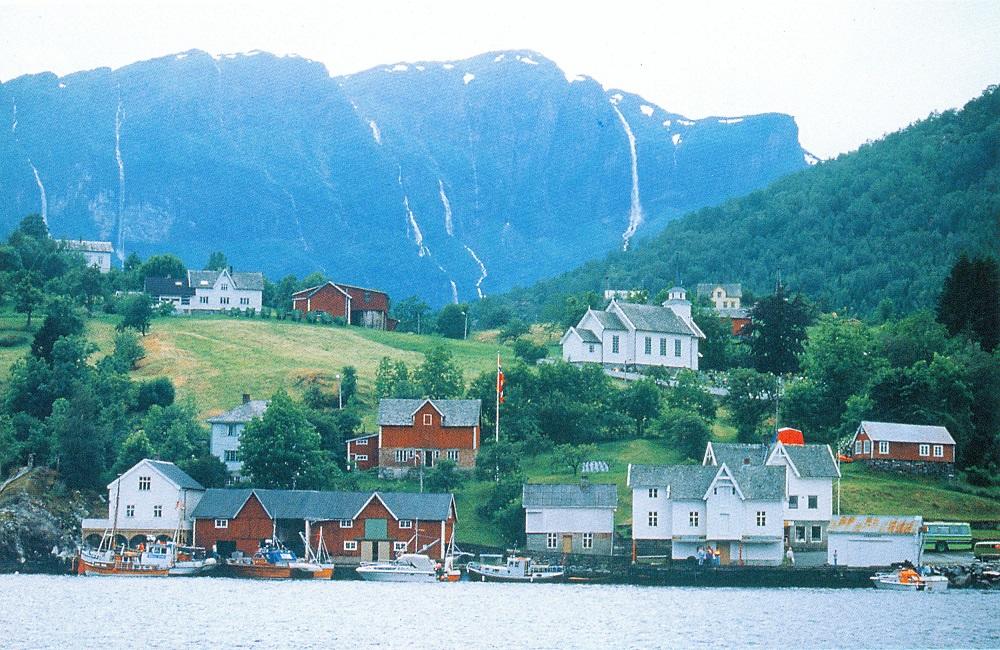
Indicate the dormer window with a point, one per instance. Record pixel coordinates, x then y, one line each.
428 419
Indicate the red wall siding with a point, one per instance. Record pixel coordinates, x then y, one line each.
429 436
249 526
334 536
327 299
376 300
905 451
370 449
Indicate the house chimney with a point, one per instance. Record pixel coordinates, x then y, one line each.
246 398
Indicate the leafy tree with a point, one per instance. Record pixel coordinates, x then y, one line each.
529 352
164 266
175 431
438 376
279 296
334 428
572 456
137 314
504 456
749 402
61 320
444 477
502 507
392 379
777 330
206 469
27 295
513 329
282 449
688 394
134 448
78 442
349 384
917 337
128 351
452 321
492 312
687 432
716 349
640 401
217 262
411 312
970 300
159 392
574 307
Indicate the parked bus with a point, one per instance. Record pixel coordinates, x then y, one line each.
987 550
943 536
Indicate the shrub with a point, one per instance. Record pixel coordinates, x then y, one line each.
12 340
529 352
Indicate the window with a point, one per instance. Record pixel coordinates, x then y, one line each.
653 519
761 518
358 457
232 432
453 455
361 443
883 447
157 511
224 300
925 450
663 347
185 300
693 519
368 296
868 446
130 511
406 523
813 502
225 287
350 545
231 456
653 493
222 523
399 547
817 533
588 540
800 533
402 455
857 446
244 301
677 347
614 344
793 502
347 523
590 347
938 451
648 345
551 540
428 419
144 483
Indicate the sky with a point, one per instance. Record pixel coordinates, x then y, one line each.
848 71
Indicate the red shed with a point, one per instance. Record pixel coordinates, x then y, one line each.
362 452
904 447
356 305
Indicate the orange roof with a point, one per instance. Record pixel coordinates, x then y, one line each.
790 436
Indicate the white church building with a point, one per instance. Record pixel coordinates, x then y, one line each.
629 334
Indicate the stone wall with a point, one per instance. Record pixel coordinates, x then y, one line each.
912 467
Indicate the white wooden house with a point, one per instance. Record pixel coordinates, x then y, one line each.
209 291
874 540
627 334
97 253
152 499
575 518
226 429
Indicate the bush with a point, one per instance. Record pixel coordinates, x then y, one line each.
12 340
529 352
159 391
165 309
981 476
128 350
513 329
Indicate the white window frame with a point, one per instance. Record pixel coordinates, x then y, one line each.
224 287
924 449
244 301
938 451
694 517
129 511
157 511
647 346
552 541
677 347
653 519
857 447
587 541
145 483
350 545
203 300
406 523
883 447
868 447
453 455
761 518
654 493
615 344
363 442
224 300
793 502
347 523
231 431
663 347
399 547
428 419
402 455
231 456
222 523
360 457
798 537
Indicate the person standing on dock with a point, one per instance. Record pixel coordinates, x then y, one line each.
790 556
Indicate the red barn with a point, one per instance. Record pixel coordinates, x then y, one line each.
356 305
353 526
909 448
415 432
362 452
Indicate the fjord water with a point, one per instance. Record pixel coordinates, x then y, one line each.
73 612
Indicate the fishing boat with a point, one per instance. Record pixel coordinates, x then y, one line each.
320 556
156 559
408 567
909 579
274 562
516 569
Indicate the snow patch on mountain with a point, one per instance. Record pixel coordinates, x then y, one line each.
617 98
420 68
467 78
399 67
635 210
667 123
647 110
731 120
414 228
810 159
676 138
449 227
482 272
447 66
527 59
685 122
498 58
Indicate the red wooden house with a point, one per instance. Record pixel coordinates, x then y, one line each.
415 432
904 447
353 526
362 452
356 305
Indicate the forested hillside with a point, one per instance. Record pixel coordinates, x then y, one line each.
884 223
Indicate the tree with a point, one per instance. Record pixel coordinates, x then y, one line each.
217 261
282 449
688 394
750 400
78 442
438 376
503 456
777 330
502 507
410 312
445 476
529 352
970 300
175 431
392 379
513 329
61 320
574 307
572 456
163 266
159 392
128 351
452 321
134 448
686 431
206 469
137 314
715 350
640 401
349 384
27 295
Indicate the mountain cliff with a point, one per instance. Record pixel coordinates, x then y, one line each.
443 179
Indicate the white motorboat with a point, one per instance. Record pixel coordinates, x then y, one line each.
409 567
516 569
908 579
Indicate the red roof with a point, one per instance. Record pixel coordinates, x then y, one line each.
790 436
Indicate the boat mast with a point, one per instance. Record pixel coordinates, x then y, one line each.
114 522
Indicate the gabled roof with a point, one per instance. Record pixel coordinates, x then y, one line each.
167 287
761 483
609 320
322 506
243 413
169 471
733 290
692 482
735 454
241 280
575 495
588 337
812 461
733 312
898 432
219 503
875 524
652 318
312 291
455 412
85 245
414 505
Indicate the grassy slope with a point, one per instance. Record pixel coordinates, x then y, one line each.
866 492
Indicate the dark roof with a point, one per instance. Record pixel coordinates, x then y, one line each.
176 475
241 280
86 245
691 482
588 337
652 318
898 432
322 506
609 320
733 312
733 290
737 455
574 495
242 413
456 412
761 483
167 287
812 461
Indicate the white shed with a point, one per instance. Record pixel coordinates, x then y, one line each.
874 540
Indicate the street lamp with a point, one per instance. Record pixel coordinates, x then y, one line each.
340 393
465 332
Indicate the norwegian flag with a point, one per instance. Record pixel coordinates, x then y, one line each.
500 382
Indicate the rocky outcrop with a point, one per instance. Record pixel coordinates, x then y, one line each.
978 575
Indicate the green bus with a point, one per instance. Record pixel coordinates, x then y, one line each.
944 536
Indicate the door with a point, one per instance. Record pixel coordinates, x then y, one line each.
376 529
367 551
723 552
225 547
567 545
384 551
428 458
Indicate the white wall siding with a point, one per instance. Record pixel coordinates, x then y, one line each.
863 550
222 442
822 488
161 493
569 520
642 505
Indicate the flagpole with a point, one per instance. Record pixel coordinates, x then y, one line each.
497 419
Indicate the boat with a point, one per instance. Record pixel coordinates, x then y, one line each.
319 556
274 562
156 559
908 578
516 569
408 567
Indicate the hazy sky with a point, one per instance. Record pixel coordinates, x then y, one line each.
847 71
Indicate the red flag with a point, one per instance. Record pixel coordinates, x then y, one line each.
500 381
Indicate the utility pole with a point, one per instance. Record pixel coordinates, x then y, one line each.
340 393
465 332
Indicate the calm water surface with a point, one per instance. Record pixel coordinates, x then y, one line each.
77 612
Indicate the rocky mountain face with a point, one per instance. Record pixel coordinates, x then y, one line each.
444 179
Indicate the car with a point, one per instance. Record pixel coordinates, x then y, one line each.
944 536
987 550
